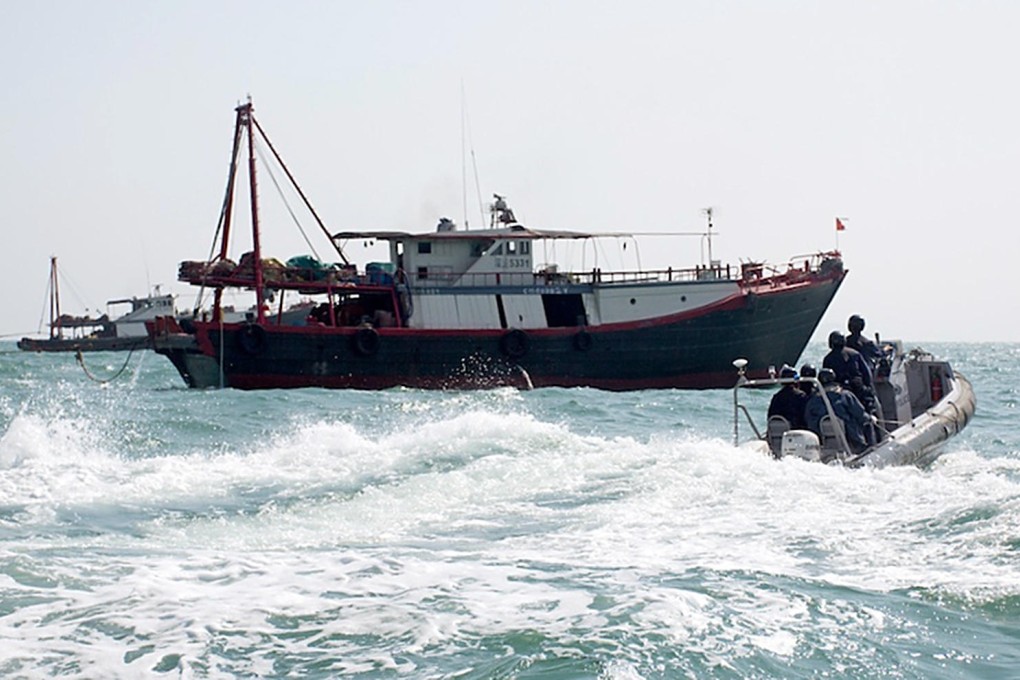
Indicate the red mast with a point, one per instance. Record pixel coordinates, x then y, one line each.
246 113
245 123
226 214
56 330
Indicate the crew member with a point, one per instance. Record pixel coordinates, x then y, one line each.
789 402
851 369
857 424
868 349
807 386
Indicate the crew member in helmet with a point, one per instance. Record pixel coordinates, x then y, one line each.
851 369
807 386
857 424
868 349
789 402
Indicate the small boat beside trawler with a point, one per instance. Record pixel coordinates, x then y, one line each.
476 308
920 403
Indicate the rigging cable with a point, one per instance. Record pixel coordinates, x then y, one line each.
466 125
102 381
42 314
286 204
68 283
227 202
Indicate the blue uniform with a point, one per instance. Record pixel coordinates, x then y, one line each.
848 365
790 403
868 349
852 371
847 408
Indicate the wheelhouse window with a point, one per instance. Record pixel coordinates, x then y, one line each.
424 247
478 248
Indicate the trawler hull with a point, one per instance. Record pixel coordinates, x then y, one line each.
691 349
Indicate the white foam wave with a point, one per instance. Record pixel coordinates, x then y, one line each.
615 501
469 525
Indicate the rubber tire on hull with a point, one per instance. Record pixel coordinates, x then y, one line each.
252 339
515 343
366 341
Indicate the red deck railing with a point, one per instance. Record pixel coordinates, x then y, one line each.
225 275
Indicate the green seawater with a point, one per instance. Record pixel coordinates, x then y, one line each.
148 530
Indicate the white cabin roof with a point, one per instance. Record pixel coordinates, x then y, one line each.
515 232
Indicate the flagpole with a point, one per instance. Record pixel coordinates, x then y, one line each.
840 226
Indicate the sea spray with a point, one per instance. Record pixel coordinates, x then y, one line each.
149 529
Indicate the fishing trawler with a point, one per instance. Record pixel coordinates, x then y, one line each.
475 308
126 331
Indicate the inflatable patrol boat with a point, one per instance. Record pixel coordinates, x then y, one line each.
922 403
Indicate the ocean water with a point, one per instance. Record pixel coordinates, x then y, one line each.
147 530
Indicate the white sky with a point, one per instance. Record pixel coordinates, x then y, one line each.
116 121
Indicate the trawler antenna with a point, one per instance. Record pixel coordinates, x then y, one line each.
463 153
467 143
708 234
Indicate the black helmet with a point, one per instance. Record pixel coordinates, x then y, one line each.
826 376
808 371
787 371
836 340
855 324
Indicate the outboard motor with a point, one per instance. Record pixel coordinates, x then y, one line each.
802 444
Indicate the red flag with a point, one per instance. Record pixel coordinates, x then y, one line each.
839 225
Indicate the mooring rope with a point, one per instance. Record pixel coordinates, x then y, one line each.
102 381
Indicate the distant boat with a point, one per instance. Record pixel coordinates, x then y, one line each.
89 334
473 308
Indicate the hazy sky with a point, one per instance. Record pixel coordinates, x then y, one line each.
116 122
